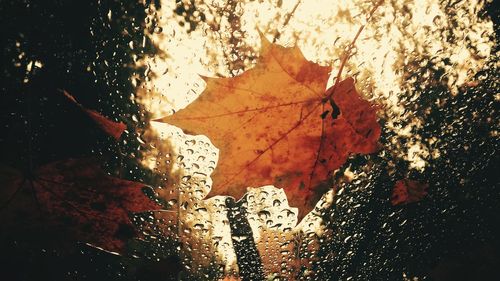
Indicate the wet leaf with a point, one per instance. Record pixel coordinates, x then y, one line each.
75 197
408 191
276 124
114 129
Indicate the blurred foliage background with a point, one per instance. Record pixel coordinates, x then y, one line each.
52 45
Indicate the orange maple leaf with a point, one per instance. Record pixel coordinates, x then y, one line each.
276 124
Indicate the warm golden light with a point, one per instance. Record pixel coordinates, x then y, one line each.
400 50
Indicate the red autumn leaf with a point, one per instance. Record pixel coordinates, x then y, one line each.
76 197
276 124
114 129
408 191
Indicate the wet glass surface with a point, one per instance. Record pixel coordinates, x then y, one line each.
424 206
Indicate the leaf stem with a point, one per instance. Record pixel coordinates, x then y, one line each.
277 34
353 42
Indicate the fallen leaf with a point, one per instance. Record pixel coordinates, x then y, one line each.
114 129
76 197
276 124
407 191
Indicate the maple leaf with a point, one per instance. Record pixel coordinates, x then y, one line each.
407 191
276 124
114 129
76 197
